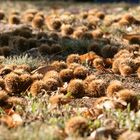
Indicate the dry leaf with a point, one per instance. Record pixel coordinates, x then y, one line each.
43 69
13 120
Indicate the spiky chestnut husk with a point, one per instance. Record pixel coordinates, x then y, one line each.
40 14
56 48
108 62
19 43
73 58
41 35
100 15
2 84
115 65
84 15
6 70
1 52
109 51
52 74
63 90
77 34
15 101
124 22
130 97
24 67
14 19
125 70
37 87
13 83
96 88
59 65
26 81
73 66
28 17
66 75
129 18
134 40
31 11
136 63
87 36
97 33
36 76
76 126
54 24
52 84
59 99
44 49
80 72
3 95
93 12
138 72
133 48
129 135
23 32
2 15
88 79
4 39
76 88
82 28
114 86
32 43
92 22
54 36
67 30
95 47
107 103
14 12
92 113
6 51
88 57
37 22
98 63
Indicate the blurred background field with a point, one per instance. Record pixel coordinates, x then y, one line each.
95 1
